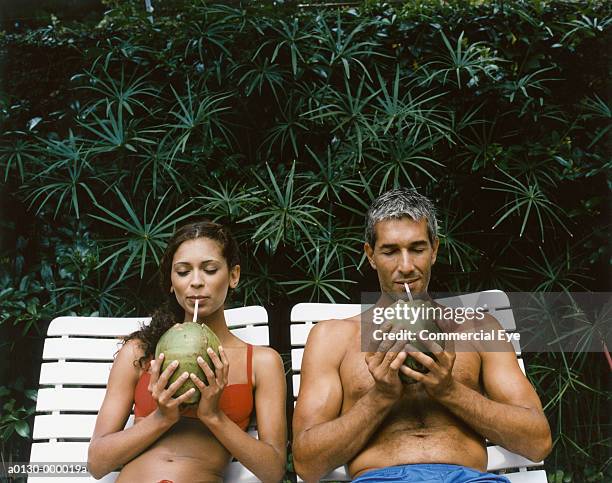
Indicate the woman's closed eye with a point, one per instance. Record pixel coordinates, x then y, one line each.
184 273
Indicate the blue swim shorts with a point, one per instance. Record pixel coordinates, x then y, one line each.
430 473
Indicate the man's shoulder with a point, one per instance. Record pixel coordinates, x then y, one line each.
336 327
329 340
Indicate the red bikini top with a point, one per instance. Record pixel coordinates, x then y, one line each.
236 399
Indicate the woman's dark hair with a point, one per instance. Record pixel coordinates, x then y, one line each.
170 312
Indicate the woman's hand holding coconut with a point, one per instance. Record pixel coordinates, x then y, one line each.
188 427
168 405
208 407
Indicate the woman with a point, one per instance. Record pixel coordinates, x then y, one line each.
171 442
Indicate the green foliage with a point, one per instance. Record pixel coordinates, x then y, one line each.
526 198
285 122
462 60
17 409
14 415
285 216
146 234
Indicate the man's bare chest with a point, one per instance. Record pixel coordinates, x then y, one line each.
357 380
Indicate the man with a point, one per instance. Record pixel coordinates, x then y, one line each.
354 409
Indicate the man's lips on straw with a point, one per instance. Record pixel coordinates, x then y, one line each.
408 290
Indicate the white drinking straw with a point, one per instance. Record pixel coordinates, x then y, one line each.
408 291
195 311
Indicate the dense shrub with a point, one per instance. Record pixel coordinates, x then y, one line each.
285 122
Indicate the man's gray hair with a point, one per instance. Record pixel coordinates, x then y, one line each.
396 204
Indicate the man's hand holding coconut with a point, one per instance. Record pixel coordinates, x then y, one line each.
420 412
384 362
438 378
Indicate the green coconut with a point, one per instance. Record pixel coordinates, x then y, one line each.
184 343
424 321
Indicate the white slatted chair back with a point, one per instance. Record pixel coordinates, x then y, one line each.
496 302
77 358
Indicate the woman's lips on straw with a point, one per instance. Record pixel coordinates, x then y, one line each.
195 311
197 300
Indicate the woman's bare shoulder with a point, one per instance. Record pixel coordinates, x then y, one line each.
130 354
265 355
267 361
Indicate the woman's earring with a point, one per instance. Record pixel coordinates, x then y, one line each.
171 289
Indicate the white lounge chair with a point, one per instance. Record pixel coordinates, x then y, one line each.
77 357
304 316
